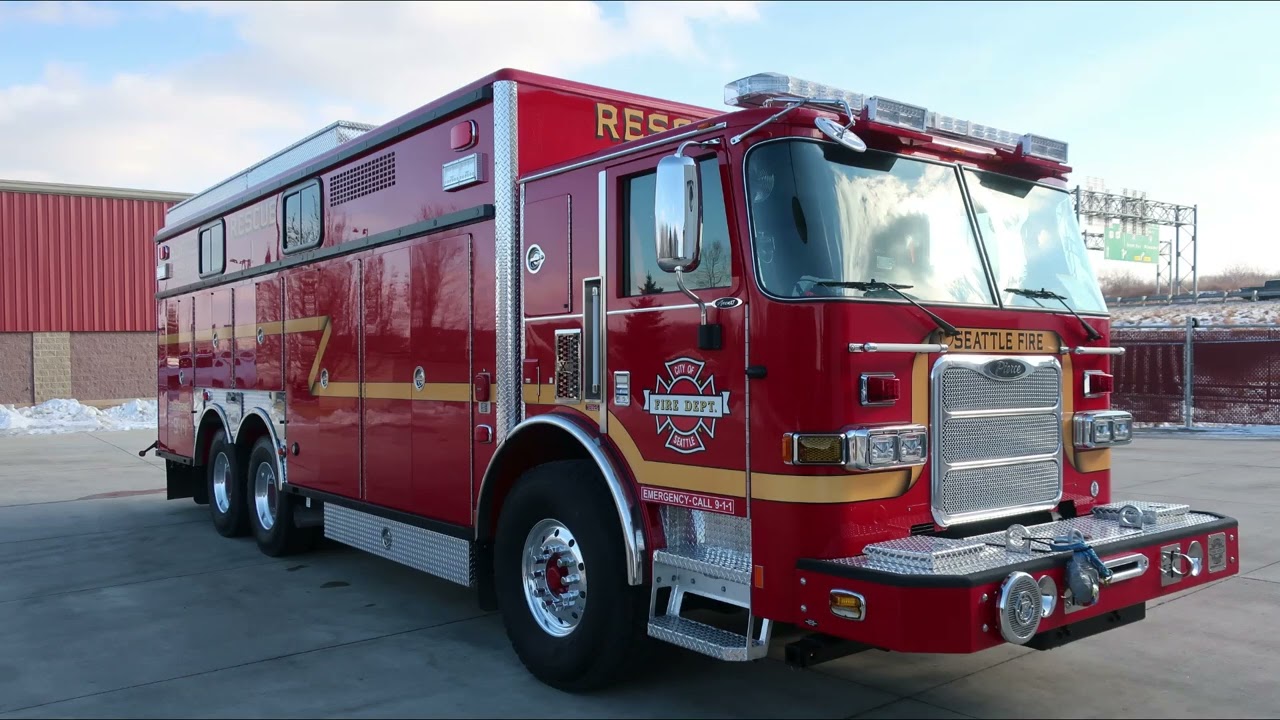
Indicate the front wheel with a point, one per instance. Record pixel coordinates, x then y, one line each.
560 578
271 511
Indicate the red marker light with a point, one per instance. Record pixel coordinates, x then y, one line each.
880 389
1097 383
463 135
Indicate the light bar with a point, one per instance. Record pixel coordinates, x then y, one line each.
1043 148
754 90
757 90
899 114
963 128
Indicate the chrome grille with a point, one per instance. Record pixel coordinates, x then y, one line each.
976 489
966 388
997 441
568 365
969 439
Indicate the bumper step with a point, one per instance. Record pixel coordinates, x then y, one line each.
705 639
709 561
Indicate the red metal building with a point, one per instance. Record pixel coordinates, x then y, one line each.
77 282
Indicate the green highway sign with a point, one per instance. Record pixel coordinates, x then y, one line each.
1120 245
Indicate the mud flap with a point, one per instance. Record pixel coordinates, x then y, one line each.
184 481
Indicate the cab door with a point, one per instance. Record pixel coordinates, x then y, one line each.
675 410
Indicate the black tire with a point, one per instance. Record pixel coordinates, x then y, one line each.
611 632
283 537
232 522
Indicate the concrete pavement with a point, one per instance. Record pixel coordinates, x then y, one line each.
117 603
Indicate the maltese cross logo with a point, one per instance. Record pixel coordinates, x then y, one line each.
686 405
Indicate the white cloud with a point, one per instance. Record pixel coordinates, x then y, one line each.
303 65
54 12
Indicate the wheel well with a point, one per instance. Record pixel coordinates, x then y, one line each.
252 427
209 424
534 445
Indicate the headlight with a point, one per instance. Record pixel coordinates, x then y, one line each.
886 446
1104 428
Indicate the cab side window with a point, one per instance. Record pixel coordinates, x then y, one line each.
640 271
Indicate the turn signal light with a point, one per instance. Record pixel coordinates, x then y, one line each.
848 605
816 449
1098 383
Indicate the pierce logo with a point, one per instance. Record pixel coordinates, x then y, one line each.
686 406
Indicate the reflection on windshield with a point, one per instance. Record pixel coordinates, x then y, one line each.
1033 241
823 213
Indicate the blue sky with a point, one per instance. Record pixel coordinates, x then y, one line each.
1177 99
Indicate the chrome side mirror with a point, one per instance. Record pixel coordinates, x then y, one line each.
677 214
840 134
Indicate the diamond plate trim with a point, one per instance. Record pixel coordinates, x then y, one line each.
1163 512
710 561
888 556
705 639
507 258
426 550
685 527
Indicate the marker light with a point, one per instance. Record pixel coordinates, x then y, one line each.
1043 148
879 389
1098 383
462 135
899 114
754 90
848 605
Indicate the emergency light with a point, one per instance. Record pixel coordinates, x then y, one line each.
759 90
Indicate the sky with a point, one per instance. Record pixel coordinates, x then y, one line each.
1175 99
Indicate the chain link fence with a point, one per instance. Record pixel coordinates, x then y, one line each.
1193 374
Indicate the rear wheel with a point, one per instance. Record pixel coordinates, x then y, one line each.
559 527
271 511
225 481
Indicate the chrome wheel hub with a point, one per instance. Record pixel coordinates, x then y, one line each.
555 577
221 480
265 495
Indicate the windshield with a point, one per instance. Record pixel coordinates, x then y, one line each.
821 212
1033 241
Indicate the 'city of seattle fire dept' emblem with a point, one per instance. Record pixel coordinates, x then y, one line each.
686 406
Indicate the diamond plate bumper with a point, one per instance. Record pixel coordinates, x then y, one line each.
931 594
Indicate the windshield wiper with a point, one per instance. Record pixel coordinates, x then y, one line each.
947 328
1043 294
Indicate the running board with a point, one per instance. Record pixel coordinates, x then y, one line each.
434 553
706 639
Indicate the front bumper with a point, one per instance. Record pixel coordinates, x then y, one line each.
940 595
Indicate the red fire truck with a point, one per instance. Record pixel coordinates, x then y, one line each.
634 369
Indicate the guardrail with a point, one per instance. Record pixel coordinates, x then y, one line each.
1246 295
1198 373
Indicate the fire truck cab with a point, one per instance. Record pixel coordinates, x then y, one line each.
830 361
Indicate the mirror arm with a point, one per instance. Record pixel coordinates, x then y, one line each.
703 143
702 306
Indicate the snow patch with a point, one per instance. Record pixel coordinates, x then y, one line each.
62 416
1208 313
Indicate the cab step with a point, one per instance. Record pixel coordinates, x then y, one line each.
706 639
708 556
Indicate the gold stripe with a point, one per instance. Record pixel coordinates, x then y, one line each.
1068 409
315 365
717 481
437 392
919 409
830 488
1088 461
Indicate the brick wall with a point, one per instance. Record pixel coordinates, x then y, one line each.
113 365
15 368
89 366
51 365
